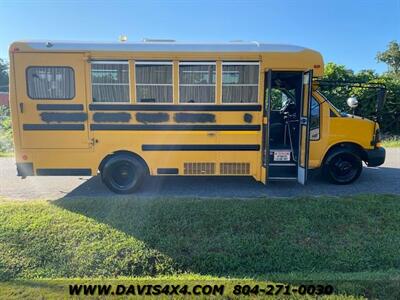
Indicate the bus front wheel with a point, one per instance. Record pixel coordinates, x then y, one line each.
343 167
123 173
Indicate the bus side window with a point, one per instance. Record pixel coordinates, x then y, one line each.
110 81
240 82
315 120
154 81
197 82
55 83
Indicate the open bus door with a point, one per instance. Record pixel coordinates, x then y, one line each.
265 125
291 161
304 138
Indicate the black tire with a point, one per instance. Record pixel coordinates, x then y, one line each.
123 173
343 167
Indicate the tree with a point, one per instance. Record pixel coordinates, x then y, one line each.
391 57
337 94
337 72
390 122
3 76
6 144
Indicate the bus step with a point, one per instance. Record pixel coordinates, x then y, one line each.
282 171
283 178
283 164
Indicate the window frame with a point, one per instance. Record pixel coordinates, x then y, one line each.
240 63
110 62
319 118
197 63
54 67
154 63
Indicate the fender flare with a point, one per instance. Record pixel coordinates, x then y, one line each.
344 147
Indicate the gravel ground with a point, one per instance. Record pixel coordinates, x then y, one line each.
381 180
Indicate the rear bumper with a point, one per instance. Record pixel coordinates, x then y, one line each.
25 169
375 157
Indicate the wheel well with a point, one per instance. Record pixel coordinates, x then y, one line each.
105 159
345 145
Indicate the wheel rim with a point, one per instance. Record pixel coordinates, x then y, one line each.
123 175
344 168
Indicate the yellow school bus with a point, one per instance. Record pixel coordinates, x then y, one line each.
129 110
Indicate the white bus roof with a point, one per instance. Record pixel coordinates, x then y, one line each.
58 46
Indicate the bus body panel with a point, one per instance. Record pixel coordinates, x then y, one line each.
82 151
42 128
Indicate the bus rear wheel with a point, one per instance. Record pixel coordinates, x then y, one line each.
343 168
123 173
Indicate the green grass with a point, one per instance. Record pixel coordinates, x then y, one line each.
391 142
59 288
6 154
353 242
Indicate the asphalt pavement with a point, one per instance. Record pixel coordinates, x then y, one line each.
380 180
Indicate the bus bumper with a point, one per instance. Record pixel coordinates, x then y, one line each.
375 157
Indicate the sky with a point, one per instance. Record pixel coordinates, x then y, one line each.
348 32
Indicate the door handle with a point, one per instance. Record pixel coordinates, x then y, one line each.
211 133
21 107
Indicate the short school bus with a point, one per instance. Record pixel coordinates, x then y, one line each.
128 110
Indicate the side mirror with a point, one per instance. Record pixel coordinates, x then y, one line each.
352 102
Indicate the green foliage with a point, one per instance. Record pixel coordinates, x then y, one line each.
390 122
276 99
6 137
337 95
391 57
3 76
391 142
367 97
391 109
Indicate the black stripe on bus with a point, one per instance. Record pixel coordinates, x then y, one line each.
194 118
157 127
201 147
59 107
167 171
158 117
33 127
60 117
172 107
118 117
63 172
